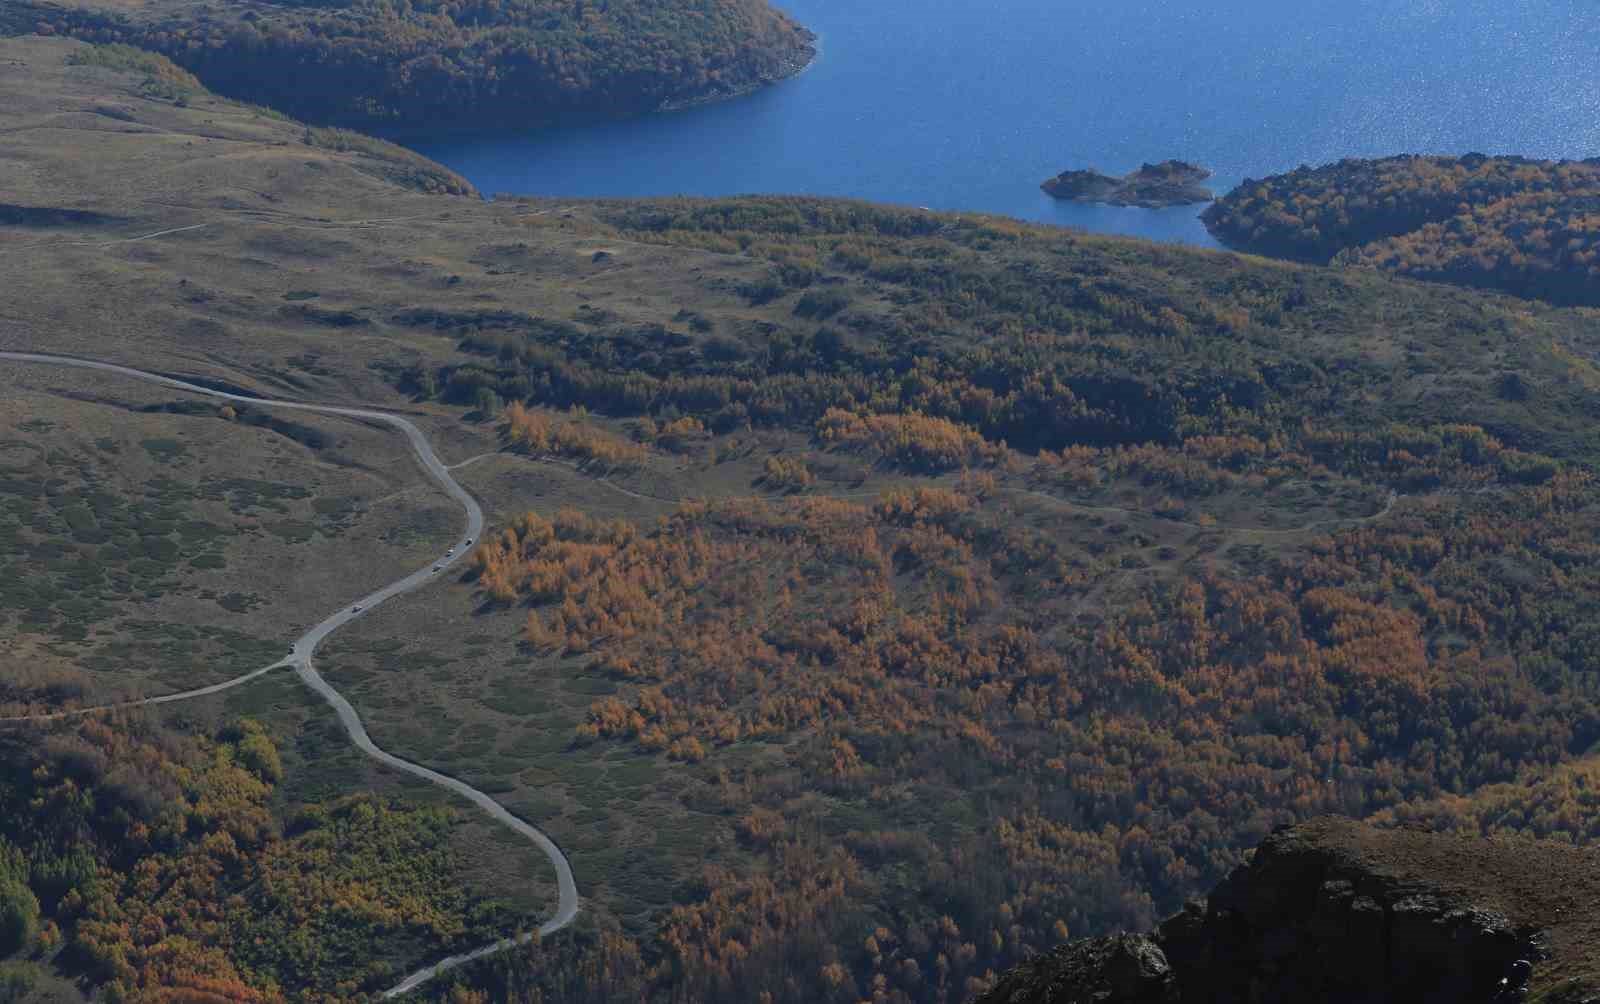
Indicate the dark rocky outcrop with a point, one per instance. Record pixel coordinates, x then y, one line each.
1152 186
1124 968
1339 912
1300 924
50 216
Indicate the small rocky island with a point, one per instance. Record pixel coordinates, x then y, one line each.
1152 186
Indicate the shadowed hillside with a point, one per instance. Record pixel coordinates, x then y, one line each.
517 63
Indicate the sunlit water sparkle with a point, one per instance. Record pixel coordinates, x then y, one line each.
969 104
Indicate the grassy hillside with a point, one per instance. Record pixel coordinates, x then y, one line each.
873 597
517 63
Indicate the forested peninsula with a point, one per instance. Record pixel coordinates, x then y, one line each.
422 63
1528 227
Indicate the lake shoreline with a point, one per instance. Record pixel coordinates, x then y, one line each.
801 59
793 66
906 107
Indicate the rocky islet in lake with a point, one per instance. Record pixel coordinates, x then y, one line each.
1152 186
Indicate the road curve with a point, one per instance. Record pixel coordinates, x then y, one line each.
306 645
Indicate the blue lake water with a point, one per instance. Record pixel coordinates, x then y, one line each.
969 104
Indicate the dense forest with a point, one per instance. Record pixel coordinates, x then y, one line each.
984 772
1528 227
423 62
159 865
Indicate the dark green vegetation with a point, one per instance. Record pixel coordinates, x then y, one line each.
161 865
929 588
425 62
1035 337
1530 227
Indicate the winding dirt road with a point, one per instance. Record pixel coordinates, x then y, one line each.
306 645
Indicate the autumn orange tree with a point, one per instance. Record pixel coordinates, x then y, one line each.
161 862
1000 772
1526 226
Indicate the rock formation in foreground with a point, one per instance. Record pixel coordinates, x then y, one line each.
1338 911
1152 186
